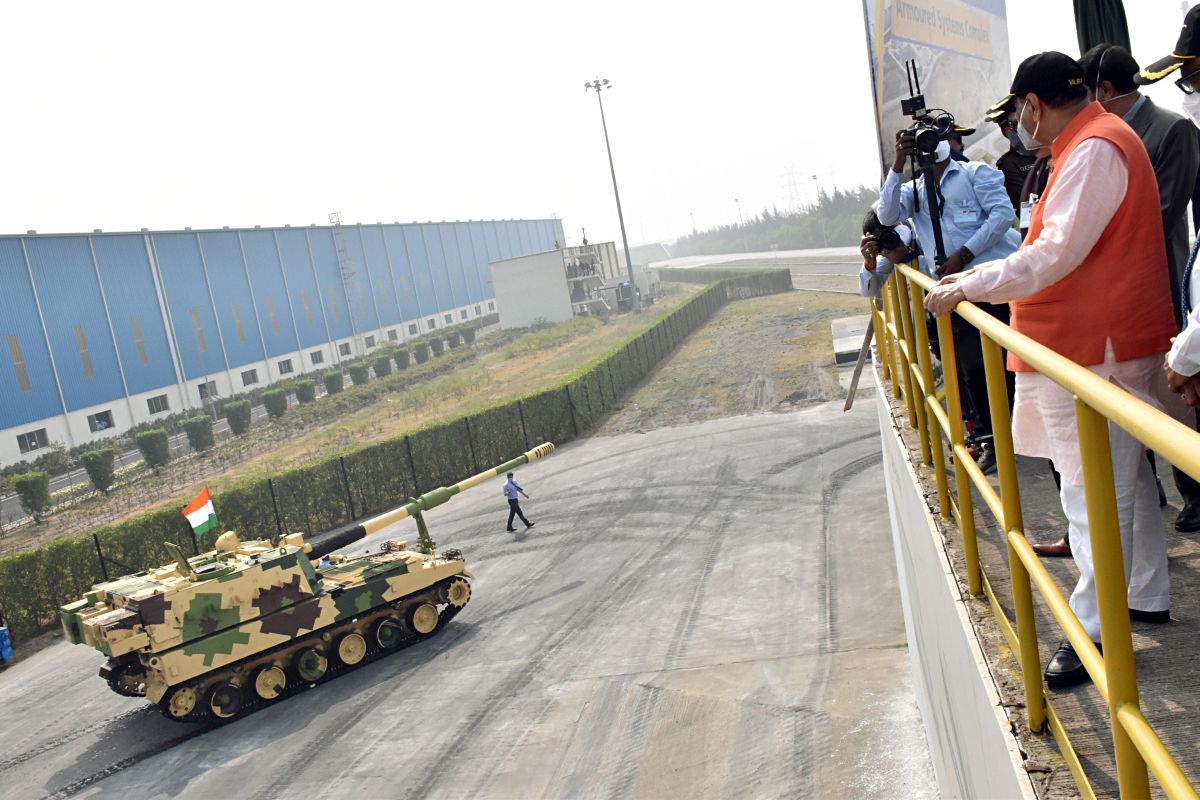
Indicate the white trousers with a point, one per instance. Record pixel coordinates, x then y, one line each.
1143 540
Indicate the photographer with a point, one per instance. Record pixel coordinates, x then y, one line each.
976 219
881 247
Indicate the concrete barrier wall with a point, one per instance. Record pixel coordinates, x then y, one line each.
974 754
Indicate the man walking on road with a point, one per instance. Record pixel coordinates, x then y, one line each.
511 490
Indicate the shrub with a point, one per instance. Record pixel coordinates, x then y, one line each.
333 382
238 414
275 401
453 339
437 346
383 367
421 352
155 447
359 374
306 392
199 432
402 359
34 490
468 334
99 465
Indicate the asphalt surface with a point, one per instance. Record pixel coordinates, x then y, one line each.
702 611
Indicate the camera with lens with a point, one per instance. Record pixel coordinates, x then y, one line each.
888 239
929 127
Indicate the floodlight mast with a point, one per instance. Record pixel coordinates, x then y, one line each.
599 84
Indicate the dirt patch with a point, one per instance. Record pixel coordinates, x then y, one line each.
766 354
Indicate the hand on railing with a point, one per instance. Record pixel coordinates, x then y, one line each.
944 296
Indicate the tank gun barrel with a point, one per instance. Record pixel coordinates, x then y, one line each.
327 543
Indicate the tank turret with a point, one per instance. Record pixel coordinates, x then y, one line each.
250 622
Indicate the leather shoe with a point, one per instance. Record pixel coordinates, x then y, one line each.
1059 549
1065 668
1188 520
1162 495
987 460
1153 617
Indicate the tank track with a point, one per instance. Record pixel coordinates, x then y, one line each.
245 668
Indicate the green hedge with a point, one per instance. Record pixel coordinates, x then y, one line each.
383 366
359 374
306 391
99 465
33 488
238 415
453 339
437 346
468 335
275 402
199 432
155 446
421 352
401 357
312 498
333 382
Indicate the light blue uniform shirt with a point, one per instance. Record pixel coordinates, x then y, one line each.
511 489
870 284
977 213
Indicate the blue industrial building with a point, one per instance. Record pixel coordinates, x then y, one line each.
103 331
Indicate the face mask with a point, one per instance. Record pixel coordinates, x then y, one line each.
1191 107
1028 140
1014 141
942 152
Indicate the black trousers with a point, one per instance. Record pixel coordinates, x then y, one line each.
1188 488
514 510
972 380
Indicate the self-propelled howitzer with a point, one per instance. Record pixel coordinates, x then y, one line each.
251 622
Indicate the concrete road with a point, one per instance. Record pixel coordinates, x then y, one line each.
702 611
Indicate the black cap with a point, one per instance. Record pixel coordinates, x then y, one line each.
1047 74
1186 49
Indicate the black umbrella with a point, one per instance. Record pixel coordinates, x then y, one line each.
1099 21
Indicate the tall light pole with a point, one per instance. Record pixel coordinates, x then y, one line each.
693 216
599 85
739 205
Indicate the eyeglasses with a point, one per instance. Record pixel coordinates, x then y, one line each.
1185 83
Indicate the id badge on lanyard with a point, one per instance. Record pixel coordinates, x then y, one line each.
1027 210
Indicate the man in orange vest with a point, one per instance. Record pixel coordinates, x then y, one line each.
1090 282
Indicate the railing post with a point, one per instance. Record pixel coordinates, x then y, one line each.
890 326
933 428
902 348
1014 522
910 367
962 481
1111 593
881 342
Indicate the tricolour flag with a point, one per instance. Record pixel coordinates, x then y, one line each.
201 514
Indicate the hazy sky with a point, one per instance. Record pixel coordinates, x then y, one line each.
163 115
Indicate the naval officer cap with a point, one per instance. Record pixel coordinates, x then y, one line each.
1187 51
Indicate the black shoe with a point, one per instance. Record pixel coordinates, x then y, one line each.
1153 617
987 460
1162 496
511 530
1188 520
530 525
1065 668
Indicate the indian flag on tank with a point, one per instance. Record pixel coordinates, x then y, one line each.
201 514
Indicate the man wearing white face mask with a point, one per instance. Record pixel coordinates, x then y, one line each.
1090 282
976 219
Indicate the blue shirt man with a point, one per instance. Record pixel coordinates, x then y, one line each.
976 212
511 490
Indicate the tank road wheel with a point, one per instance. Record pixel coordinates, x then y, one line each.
423 618
457 592
225 700
351 649
388 633
269 682
311 665
180 702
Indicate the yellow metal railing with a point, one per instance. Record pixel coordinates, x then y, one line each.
906 362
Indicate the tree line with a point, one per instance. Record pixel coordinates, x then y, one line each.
835 220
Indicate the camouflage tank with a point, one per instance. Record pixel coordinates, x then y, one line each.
218 635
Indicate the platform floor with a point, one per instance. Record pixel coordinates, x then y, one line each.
1166 654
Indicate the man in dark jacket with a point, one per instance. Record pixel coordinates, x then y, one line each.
1170 140
1014 164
